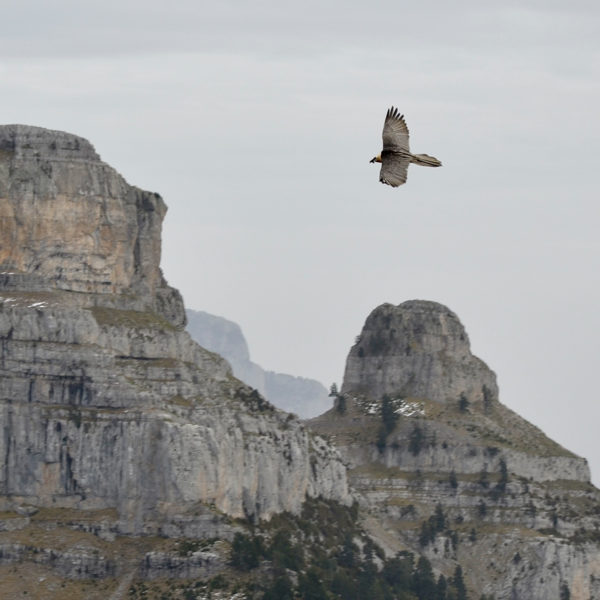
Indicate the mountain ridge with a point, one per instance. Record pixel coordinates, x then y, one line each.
299 395
132 458
115 424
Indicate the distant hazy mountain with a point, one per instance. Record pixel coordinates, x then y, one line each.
305 397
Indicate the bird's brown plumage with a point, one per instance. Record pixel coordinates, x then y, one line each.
396 156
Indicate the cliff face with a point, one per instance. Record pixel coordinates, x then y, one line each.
445 470
302 396
420 351
105 402
70 219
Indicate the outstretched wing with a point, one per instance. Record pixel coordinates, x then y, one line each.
394 168
395 131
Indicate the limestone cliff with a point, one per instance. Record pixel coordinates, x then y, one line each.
106 403
71 222
420 351
302 396
446 470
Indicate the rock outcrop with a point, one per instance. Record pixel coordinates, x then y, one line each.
71 222
420 351
128 451
105 401
304 397
445 470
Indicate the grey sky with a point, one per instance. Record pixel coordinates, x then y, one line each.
256 122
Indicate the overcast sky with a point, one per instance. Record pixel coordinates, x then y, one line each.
256 122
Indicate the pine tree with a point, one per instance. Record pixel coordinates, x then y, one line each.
440 518
340 404
388 414
282 589
459 584
423 580
348 554
441 589
311 587
416 440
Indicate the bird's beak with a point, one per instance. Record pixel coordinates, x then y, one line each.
376 159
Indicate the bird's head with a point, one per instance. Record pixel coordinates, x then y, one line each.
376 159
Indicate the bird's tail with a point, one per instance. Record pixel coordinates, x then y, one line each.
425 160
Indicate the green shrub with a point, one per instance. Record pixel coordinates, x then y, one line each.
389 417
284 554
281 589
340 404
246 552
452 479
416 440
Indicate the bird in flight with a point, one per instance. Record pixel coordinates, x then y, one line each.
395 156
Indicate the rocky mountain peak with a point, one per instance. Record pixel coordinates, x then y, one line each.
27 141
445 469
71 222
418 349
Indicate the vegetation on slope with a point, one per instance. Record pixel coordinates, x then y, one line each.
323 554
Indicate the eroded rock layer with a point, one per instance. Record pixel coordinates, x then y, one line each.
444 469
105 402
